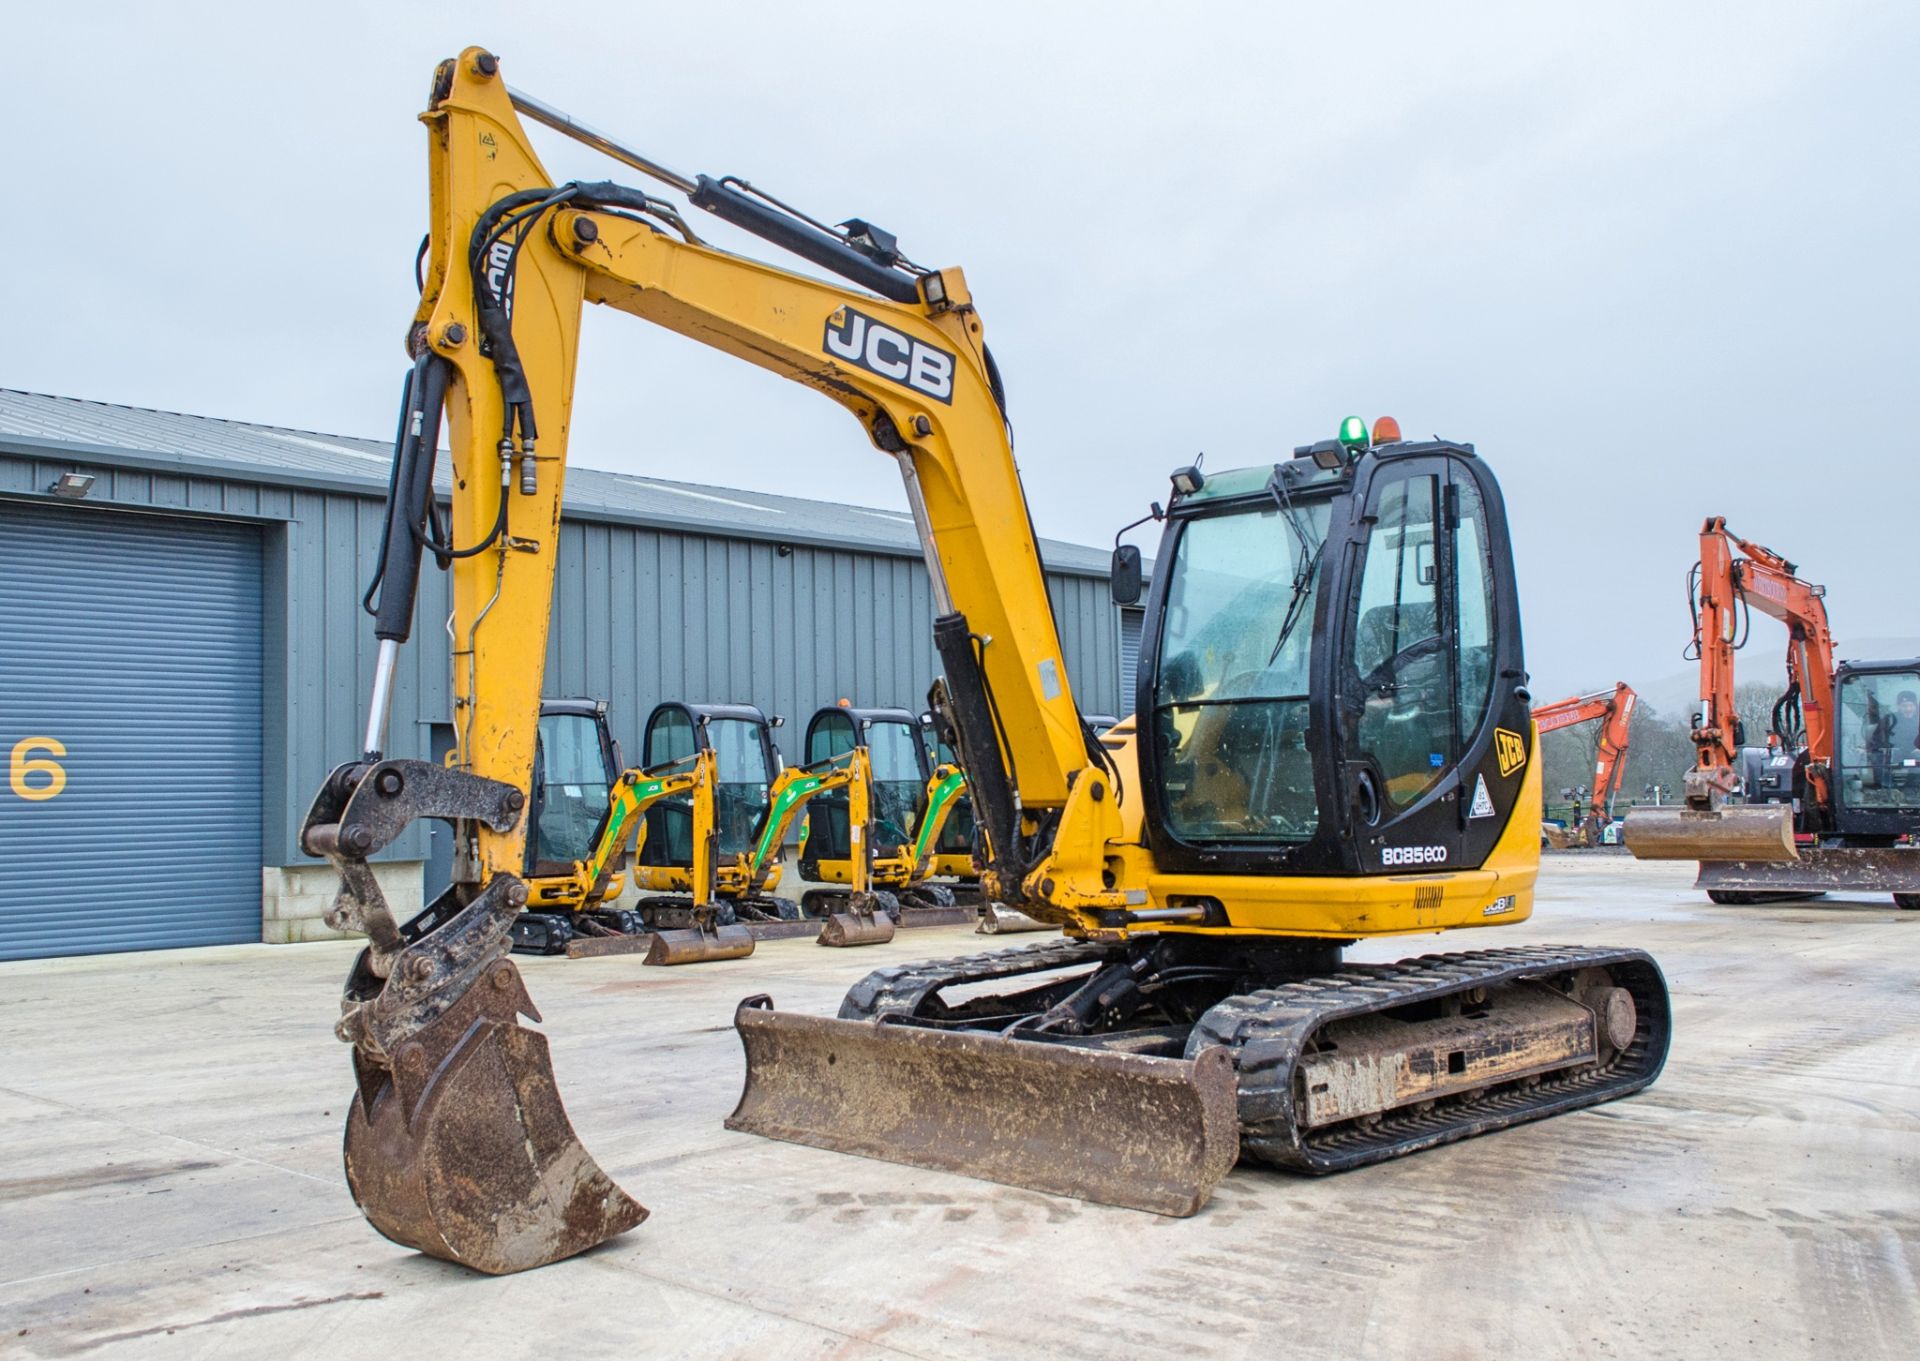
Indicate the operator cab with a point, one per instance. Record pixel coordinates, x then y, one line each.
1331 677
897 752
746 762
575 761
1877 747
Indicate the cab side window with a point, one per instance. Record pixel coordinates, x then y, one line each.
1473 555
670 821
669 738
1399 685
831 736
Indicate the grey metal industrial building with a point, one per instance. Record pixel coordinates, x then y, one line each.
183 654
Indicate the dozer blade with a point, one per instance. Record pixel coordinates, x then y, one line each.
597 947
996 920
1844 869
694 946
1117 1128
462 1149
1754 832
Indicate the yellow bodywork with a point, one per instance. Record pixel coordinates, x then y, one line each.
962 482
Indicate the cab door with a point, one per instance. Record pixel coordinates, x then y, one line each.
670 739
1420 646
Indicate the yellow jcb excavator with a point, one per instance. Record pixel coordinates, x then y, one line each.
1334 745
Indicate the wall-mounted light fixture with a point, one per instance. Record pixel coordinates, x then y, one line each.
73 486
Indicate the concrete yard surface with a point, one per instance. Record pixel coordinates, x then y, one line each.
172 1183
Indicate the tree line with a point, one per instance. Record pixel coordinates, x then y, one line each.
1659 751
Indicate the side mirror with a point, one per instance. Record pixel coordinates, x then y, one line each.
1126 575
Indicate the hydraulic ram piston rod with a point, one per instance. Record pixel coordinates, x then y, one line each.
565 124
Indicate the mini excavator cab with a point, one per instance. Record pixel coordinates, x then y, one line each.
1381 728
746 764
575 762
897 758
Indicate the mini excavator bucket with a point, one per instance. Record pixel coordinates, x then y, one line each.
1104 1125
457 1144
863 922
1756 833
697 945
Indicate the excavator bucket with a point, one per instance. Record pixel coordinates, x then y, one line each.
1104 1125
1761 833
856 928
695 946
864 921
461 1149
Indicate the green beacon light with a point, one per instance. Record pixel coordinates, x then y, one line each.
1353 433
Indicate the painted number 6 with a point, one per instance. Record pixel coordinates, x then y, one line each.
26 765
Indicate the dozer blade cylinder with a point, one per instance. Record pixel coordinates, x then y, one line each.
1755 832
856 928
462 1149
1116 1128
694 946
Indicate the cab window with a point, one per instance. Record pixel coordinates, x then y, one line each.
1401 700
830 735
740 771
574 784
1878 743
899 782
1230 694
1418 677
669 738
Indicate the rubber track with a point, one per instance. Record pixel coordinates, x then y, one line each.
1268 1029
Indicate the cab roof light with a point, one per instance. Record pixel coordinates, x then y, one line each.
1353 433
1188 480
1386 430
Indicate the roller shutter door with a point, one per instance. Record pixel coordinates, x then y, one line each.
1131 621
130 730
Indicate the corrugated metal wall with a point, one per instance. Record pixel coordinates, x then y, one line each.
638 620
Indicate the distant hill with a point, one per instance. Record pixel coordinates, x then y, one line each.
1672 694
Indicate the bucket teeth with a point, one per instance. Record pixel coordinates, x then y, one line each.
461 1149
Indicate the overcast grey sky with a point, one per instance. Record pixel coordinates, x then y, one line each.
1657 261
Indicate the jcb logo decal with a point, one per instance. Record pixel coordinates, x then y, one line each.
1510 749
878 348
32 776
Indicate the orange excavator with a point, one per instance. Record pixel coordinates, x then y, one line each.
1831 802
1615 710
